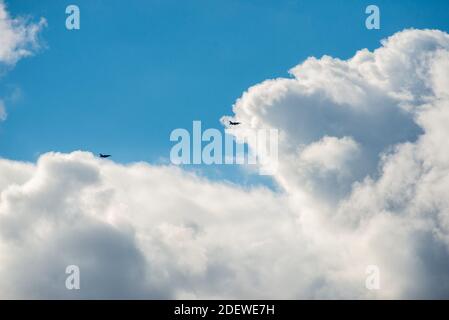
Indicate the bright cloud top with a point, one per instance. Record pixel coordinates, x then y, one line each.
363 173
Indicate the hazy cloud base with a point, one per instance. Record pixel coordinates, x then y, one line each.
363 174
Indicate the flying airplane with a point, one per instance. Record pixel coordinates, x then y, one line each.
104 155
234 123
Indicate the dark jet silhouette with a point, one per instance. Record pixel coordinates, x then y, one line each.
234 123
104 155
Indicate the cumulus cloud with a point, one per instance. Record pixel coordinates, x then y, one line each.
392 103
363 179
329 154
135 230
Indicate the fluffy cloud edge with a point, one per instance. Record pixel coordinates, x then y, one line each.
19 36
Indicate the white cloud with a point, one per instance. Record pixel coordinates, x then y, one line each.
170 231
3 114
329 154
19 37
363 172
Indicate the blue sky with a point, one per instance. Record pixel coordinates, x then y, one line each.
139 69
